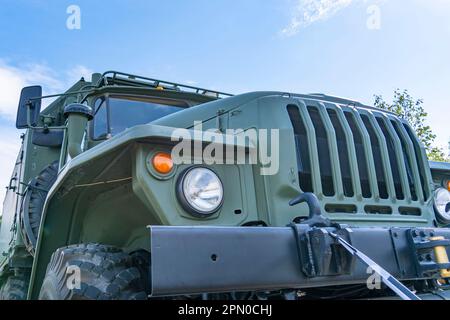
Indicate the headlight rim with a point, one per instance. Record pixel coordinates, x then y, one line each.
185 203
439 216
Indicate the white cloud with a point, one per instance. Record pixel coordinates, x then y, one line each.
75 74
12 80
307 12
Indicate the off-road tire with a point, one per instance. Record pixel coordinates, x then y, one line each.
14 288
106 272
33 204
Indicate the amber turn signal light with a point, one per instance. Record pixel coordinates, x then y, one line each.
448 185
162 163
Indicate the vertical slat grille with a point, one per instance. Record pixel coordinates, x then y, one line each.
345 152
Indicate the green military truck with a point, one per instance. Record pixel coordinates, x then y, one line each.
100 207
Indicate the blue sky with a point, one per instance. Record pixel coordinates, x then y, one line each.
289 45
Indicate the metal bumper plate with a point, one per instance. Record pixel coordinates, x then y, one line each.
192 260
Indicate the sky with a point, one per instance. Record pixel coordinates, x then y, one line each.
348 48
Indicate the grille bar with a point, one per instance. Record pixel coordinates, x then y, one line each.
312 147
400 158
369 155
353 160
425 173
332 145
384 156
412 159
423 158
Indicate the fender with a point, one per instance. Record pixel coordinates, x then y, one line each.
66 203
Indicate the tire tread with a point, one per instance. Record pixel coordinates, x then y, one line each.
107 273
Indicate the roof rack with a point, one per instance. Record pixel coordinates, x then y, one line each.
110 78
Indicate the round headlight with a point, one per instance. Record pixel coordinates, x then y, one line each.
442 205
200 191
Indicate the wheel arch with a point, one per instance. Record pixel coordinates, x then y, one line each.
69 206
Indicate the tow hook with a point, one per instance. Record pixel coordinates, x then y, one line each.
316 218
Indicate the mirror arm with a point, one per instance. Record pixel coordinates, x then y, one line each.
58 95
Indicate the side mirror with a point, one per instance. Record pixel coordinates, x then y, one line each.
28 111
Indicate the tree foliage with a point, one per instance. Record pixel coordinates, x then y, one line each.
413 111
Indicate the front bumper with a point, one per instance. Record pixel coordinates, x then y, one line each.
193 260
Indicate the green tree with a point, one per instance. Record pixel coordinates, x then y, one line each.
412 110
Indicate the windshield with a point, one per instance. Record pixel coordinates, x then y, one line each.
117 114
